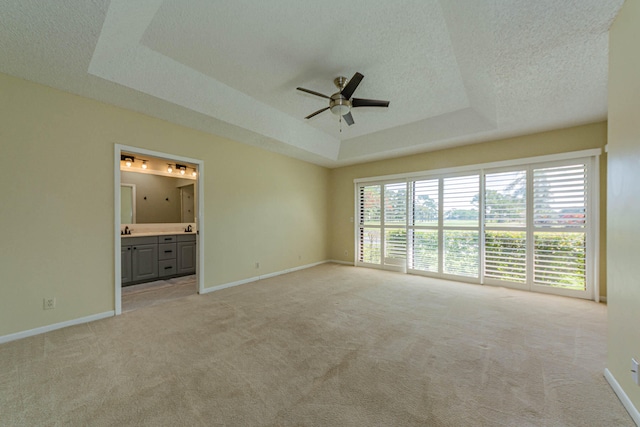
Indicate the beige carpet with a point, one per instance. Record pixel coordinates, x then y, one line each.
328 346
148 294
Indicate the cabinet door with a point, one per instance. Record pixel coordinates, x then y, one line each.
186 257
126 265
144 262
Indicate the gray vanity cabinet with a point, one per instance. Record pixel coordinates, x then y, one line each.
149 258
167 259
139 258
186 254
126 264
144 262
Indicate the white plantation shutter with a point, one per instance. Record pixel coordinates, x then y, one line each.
521 225
505 221
505 199
505 256
560 259
395 222
369 224
423 225
461 253
559 218
559 195
460 201
382 217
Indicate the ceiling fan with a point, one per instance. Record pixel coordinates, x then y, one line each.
341 103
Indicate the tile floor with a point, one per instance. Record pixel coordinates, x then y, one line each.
158 292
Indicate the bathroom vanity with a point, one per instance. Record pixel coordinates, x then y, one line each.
152 257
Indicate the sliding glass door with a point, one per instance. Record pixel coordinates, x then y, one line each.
525 226
382 222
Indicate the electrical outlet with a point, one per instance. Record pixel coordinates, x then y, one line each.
257 265
346 253
49 303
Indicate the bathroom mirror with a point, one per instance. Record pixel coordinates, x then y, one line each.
127 204
150 199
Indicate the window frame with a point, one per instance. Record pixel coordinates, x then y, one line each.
590 159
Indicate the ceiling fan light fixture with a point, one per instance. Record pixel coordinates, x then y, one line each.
339 105
340 109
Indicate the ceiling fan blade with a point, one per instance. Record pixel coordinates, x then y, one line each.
352 85
317 112
357 102
348 118
313 92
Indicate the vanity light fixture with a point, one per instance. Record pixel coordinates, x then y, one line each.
128 160
169 168
181 168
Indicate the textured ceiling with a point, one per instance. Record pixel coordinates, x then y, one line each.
455 72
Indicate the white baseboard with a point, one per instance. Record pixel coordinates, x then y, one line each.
626 402
53 327
264 276
47 328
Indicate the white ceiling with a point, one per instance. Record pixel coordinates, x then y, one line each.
455 72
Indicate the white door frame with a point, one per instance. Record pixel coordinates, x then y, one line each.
116 230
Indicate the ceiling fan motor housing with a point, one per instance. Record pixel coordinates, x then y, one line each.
339 105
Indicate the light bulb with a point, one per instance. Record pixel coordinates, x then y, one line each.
144 164
169 169
194 173
181 171
128 163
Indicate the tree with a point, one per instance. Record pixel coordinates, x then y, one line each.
425 209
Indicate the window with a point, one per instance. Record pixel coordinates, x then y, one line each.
370 224
505 222
559 217
423 225
383 225
525 226
460 228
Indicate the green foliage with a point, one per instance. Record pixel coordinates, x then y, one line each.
560 259
425 210
461 253
425 250
505 255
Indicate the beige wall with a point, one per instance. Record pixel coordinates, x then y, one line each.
57 207
624 197
558 141
57 225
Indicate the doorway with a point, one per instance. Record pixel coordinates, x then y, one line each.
167 203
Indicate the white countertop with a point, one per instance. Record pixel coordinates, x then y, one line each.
155 233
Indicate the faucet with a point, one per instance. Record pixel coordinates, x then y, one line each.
126 231
188 229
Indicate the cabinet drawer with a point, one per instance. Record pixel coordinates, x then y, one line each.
145 240
186 237
166 239
167 267
166 251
